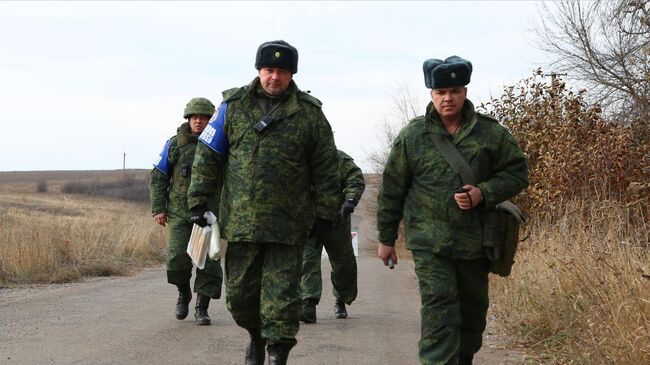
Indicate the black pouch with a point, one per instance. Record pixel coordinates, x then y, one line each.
185 170
501 237
263 123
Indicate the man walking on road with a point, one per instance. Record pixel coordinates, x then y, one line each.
272 145
338 244
170 179
444 217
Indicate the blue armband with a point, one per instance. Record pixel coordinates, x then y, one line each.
214 134
162 161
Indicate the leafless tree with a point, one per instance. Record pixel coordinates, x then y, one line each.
606 45
405 107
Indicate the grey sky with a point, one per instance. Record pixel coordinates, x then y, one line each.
80 83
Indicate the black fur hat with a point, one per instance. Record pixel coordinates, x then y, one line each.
452 72
278 54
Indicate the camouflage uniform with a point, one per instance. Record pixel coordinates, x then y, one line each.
337 242
447 243
266 199
169 194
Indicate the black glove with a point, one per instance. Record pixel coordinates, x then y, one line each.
320 227
347 208
196 215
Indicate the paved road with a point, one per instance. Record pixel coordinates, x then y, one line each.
129 320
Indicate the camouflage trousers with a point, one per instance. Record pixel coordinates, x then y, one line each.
262 281
454 296
179 264
338 244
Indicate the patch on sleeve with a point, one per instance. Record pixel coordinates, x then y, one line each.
162 161
214 134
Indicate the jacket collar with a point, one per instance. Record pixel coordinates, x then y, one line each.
184 135
289 99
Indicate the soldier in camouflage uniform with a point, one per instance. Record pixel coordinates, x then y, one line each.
338 244
170 179
272 144
444 225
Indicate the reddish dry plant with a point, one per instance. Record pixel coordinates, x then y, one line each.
573 152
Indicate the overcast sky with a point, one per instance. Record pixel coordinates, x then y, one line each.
83 82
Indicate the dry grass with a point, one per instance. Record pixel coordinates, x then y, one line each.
580 290
55 237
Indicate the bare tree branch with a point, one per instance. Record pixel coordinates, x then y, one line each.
605 45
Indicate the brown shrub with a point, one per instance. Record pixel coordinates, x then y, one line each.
41 186
128 188
573 152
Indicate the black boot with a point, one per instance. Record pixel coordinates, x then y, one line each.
339 310
201 316
308 313
255 349
184 298
279 353
465 359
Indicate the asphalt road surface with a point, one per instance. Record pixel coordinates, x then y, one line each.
130 320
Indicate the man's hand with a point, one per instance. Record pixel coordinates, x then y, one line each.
347 208
161 218
469 198
197 215
320 227
385 252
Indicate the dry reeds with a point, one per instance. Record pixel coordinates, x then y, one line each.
53 237
580 290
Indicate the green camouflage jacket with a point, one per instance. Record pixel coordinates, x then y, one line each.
418 184
168 191
269 176
351 178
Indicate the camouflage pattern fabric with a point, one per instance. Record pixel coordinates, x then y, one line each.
351 176
268 176
418 184
169 195
447 243
267 206
262 282
454 296
337 243
179 265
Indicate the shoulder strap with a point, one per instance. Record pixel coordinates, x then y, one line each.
454 158
304 95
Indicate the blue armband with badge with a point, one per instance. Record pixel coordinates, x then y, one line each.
162 161
214 134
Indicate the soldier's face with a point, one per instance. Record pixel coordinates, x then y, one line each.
198 123
449 101
275 80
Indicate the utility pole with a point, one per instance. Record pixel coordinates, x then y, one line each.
555 85
124 165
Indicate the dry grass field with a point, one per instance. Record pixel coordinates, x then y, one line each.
49 236
579 292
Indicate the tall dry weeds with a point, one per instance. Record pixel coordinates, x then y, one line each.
580 290
57 238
